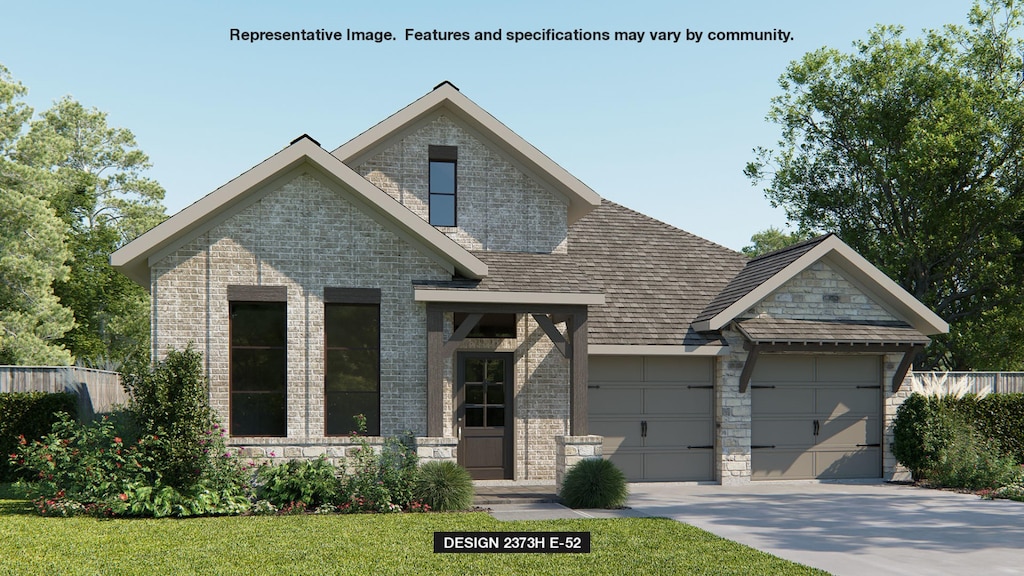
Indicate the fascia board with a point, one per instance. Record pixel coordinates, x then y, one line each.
133 258
887 292
764 289
864 274
655 350
582 198
501 297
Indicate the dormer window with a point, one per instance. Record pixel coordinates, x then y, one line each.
442 185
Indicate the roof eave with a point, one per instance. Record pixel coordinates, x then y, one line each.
133 258
582 199
913 311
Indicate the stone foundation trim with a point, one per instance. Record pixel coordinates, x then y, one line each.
572 449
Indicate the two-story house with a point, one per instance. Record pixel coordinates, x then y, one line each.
441 276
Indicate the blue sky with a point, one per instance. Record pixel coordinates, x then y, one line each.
659 127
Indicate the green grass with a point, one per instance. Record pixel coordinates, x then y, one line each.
353 544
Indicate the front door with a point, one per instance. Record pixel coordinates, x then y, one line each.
484 415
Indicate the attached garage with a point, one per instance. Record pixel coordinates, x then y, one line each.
816 417
656 415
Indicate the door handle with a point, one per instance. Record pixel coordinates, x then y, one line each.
817 427
458 428
643 428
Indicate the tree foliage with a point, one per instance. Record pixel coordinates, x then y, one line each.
32 249
79 184
912 151
772 239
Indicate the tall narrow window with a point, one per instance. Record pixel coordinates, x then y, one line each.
351 360
259 365
442 185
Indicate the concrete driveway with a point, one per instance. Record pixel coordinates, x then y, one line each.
852 527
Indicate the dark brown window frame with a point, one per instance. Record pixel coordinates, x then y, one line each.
261 295
443 155
363 297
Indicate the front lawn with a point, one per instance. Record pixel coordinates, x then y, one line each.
353 544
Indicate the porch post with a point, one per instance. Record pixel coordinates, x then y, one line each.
435 371
578 376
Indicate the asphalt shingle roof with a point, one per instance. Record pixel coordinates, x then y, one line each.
525 272
755 273
656 278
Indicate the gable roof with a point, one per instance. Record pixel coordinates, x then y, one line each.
763 275
656 278
447 97
134 259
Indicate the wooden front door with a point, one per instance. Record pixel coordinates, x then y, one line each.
484 414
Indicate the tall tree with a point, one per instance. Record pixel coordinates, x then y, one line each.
772 239
104 201
912 150
32 250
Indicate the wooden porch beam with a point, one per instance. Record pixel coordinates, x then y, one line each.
578 374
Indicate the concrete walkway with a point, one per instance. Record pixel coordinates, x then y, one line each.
850 527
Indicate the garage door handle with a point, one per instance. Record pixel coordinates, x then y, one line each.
643 428
868 445
755 446
817 427
708 447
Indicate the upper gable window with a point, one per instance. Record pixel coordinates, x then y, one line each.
442 185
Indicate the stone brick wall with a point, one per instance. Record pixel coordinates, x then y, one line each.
821 293
569 450
732 414
304 235
499 206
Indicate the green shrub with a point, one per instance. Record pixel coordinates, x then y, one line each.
444 486
378 482
312 482
594 483
172 401
924 426
29 415
998 416
972 462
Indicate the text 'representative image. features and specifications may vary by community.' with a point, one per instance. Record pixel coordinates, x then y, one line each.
678 36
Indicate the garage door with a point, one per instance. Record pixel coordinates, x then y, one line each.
655 414
816 417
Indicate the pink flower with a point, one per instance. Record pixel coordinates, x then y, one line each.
117 439
123 497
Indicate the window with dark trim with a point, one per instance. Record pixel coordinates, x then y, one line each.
442 185
258 363
351 360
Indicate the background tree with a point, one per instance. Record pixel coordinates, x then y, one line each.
912 151
773 239
32 250
104 201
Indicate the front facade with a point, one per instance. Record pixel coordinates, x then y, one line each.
444 279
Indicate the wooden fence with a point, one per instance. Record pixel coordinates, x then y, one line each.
98 391
976 382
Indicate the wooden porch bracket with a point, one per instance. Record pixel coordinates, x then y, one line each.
545 323
460 333
748 367
904 367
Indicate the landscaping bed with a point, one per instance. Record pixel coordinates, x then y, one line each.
353 544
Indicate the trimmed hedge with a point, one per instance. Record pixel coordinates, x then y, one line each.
28 414
927 428
1000 417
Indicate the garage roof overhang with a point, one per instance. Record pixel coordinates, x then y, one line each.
767 335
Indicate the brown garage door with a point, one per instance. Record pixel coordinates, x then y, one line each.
816 417
655 414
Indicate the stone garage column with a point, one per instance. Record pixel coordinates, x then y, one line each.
732 414
571 449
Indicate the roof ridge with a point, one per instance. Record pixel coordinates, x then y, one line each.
798 246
